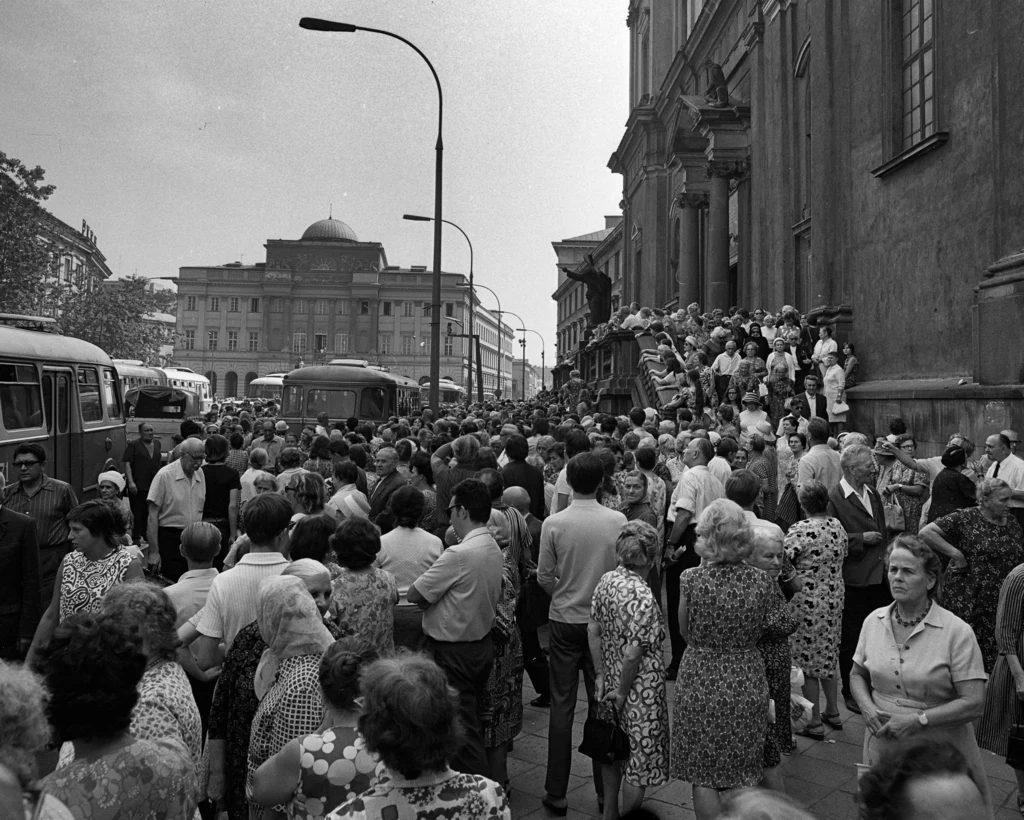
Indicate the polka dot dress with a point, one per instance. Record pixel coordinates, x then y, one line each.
334 766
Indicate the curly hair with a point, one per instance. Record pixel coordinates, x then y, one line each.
92 668
410 714
311 491
340 667
723 533
930 561
356 543
988 486
147 605
23 727
637 545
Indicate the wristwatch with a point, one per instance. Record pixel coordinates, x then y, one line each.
922 718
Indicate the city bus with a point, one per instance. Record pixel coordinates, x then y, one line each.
448 392
346 390
266 387
133 373
185 379
63 394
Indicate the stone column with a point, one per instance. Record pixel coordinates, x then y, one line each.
689 247
718 241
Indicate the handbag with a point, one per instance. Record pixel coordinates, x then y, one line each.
895 520
1015 744
840 407
604 741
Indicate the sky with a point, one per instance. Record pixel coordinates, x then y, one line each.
189 133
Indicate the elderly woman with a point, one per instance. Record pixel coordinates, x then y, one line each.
718 731
634 498
87 573
833 385
825 345
984 544
286 680
951 489
917 670
750 372
93 668
906 486
626 634
307 493
782 369
816 547
364 596
111 486
257 467
410 721
314 774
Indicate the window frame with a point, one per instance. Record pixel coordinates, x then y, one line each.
254 304
232 340
254 341
234 304
188 339
212 339
190 303
214 304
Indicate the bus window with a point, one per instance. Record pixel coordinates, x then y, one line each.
371 404
89 394
63 413
291 404
110 395
338 404
21 400
48 399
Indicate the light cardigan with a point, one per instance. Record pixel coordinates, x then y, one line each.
790 363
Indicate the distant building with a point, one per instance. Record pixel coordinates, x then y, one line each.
533 382
324 296
78 263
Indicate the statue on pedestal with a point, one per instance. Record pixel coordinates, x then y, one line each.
717 95
599 290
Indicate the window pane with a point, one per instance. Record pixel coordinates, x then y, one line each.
371 404
928 58
89 394
110 395
340 404
291 404
21 400
63 416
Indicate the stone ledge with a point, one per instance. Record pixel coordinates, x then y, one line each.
933 389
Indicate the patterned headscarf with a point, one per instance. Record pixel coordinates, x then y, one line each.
290 624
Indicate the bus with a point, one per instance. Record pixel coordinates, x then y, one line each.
186 379
266 387
448 392
63 394
133 373
346 390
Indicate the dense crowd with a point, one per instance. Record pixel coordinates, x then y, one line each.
337 620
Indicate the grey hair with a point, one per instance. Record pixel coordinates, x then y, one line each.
851 453
147 605
637 545
723 533
989 486
258 458
24 729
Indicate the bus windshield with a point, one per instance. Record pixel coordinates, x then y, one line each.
336 403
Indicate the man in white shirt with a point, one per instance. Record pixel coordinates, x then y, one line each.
176 498
820 462
1009 468
724 366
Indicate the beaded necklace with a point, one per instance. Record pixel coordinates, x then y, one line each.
915 621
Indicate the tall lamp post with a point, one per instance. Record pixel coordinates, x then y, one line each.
522 342
500 311
472 295
543 354
317 24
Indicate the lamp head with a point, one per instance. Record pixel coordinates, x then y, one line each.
415 218
318 24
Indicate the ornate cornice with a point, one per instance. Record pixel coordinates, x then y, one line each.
688 199
730 169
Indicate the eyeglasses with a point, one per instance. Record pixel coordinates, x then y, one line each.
24 465
455 507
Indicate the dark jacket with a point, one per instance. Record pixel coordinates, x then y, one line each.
820 406
383 491
21 603
521 474
863 565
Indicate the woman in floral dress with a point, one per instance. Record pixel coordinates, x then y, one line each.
626 627
721 697
816 548
781 372
984 544
908 487
750 372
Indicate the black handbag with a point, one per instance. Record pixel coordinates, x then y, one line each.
604 741
1015 744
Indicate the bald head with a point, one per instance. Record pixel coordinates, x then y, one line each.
517 498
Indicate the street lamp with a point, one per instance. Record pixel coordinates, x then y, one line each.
543 354
317 24
522 342
500 311
469 378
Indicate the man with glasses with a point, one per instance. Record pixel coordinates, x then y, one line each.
47 501
176 498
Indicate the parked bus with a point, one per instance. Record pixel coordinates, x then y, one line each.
164 407
185 379
346 390
266 387
62 393
448 392
133 373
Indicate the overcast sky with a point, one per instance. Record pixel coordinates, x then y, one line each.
188 133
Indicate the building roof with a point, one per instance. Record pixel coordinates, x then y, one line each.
332 229
596 236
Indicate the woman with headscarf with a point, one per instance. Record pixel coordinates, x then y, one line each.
111 486
951 489
287 677
756 336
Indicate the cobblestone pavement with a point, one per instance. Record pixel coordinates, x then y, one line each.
821 775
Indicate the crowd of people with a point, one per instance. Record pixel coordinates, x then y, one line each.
337 620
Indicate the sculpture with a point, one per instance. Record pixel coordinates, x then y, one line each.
599 290
717 95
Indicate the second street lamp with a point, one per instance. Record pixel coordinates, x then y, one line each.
317 24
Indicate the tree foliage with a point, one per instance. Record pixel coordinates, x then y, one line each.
25 259
112 316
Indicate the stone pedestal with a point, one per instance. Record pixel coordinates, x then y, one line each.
999 323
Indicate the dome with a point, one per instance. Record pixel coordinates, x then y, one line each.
330 229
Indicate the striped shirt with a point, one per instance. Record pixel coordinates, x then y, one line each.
47 506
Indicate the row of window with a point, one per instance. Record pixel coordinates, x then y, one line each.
25 403
321 307
408 345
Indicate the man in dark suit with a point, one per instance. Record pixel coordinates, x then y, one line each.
389 480
21 602
858 507
517 473
814 404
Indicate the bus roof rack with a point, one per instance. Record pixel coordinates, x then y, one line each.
45 324
350 362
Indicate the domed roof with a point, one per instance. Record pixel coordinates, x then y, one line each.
330 229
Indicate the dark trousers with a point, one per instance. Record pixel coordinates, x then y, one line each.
202 691
858 604
49 563
172 563
140 512
568 655
535 662
224 526
467 665
672 573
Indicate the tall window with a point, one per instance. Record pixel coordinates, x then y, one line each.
426 308
190 303
384 343
319 342
407 308
188 341
425 345
385 308
449 308
299 341
276 305
254 341
343 307
364 308
407 342
322 306
448 345
215 304
233 304
211 339
254 304
232 340
918 70
341 342
300 305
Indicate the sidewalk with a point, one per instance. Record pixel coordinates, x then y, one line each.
820 775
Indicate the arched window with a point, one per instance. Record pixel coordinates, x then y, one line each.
249 377
231 383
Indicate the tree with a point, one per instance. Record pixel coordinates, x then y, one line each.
112 315
25 258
